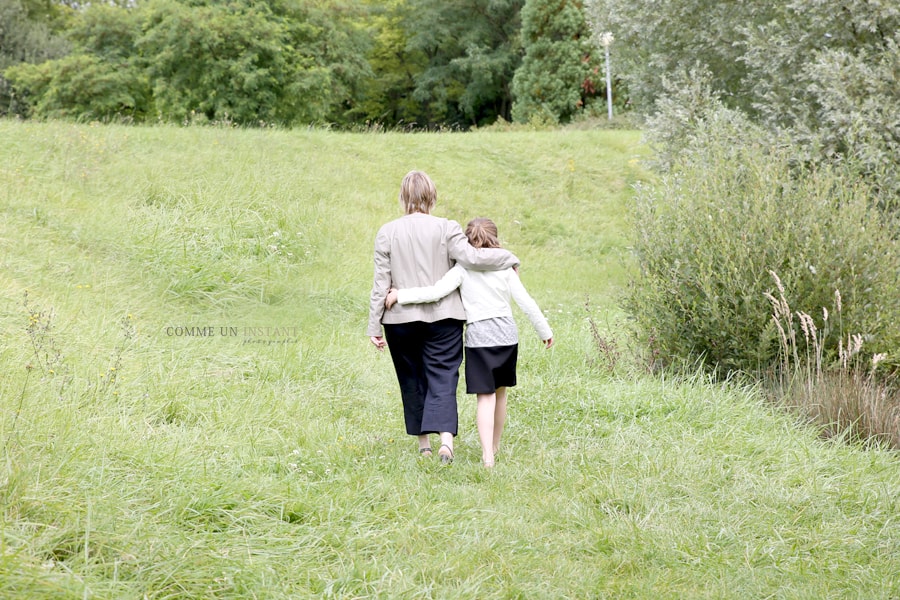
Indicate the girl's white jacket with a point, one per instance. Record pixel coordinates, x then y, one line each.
485 295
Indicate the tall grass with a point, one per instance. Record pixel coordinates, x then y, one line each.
268 461
842 395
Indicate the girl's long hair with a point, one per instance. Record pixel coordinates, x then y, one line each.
482 233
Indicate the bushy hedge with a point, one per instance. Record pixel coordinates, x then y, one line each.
734 206
244 62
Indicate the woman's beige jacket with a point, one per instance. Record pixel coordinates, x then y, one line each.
416 251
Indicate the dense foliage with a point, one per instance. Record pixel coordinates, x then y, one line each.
23 40
555 79
418 63
823 72
777 130
736 208
239 61
737 203
471 49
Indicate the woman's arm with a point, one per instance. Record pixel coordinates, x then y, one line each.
477 259
380 285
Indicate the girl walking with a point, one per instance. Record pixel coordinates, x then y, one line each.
491 336
425 340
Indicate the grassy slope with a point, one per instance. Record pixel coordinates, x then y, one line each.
148 464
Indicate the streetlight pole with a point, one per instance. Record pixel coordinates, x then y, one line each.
606 41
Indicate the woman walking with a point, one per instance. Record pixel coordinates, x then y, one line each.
492 339
425 340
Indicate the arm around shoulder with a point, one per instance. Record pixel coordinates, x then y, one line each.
477 259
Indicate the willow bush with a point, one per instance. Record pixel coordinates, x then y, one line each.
735 206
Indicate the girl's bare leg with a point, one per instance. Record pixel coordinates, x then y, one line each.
499 418
484 418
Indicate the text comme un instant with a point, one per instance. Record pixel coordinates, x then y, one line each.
220 331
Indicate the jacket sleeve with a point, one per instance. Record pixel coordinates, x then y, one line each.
432 293
529 307
477 259
381 283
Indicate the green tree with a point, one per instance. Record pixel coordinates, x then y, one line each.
326 38
223 62
54 14
387 96
472 50
779 128
23 39
242 61
828 71
82 87
553 81
656 38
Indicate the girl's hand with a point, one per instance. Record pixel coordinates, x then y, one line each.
548 343
391 299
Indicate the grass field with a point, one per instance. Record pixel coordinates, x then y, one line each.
190 408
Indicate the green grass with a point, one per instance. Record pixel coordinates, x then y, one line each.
250 465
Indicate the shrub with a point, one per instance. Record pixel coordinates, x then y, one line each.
23 40
81 86
734 206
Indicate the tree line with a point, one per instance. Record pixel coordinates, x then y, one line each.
406 63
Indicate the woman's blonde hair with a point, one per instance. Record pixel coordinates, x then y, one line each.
417 193
482 233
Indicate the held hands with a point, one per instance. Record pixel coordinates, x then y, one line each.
391 299
548 343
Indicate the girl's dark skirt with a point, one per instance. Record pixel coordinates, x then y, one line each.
426 358
490 368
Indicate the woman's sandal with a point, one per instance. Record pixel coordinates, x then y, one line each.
446 457
425 452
